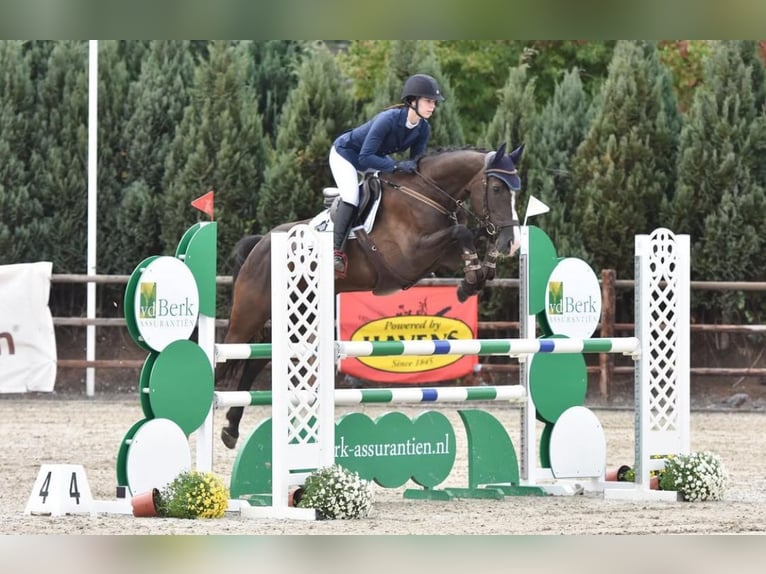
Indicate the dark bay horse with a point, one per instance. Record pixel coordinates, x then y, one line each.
421 227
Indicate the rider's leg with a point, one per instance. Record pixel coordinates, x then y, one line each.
344 216
346 178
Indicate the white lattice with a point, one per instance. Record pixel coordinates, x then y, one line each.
662 326
303 360
302 333
663 334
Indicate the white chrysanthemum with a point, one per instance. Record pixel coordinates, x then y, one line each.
697 476
335 492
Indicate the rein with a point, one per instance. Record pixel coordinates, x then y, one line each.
490 227
422 198
458 205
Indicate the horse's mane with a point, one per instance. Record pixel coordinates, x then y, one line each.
443 150
435 154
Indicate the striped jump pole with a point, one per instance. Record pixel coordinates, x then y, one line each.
480 347
234 351
486 347
510 393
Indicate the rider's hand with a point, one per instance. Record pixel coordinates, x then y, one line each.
407 166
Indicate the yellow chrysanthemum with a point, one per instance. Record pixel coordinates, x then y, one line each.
195 494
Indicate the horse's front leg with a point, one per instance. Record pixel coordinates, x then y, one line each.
473 278
504 244
461 236
474 273
489 266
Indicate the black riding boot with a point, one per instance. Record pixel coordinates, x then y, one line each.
344 217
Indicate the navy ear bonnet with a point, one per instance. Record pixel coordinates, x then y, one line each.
502 166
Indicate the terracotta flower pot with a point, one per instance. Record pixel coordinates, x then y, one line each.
145 503
294 495
617 473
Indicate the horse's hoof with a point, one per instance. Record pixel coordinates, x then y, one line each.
228 438
462 293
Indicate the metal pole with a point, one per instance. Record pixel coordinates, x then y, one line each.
90 351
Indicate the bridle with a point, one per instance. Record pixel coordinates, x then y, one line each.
495 172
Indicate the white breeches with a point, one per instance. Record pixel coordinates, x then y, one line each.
346 177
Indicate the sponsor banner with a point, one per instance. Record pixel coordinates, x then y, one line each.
394 449
27 339
419 313
166 302
573 299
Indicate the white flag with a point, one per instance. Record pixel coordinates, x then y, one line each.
535 207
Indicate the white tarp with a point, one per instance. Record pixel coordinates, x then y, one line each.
27 339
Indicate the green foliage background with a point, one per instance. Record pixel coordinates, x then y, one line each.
621 137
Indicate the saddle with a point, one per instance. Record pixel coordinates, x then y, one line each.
369 197
370 193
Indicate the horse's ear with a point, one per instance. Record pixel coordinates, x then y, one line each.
500 151
516 154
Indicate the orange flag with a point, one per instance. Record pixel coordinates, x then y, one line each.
205 203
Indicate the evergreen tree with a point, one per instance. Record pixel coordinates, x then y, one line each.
719 201
200 50
159 98
316 111
751 57
219 145
515 115
114 110
365 63
271 72
20 209
138 225
548 61
132 54
477 71
37 55
553 142
623 171
59 160
759 148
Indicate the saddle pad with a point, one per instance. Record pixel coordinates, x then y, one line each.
323 222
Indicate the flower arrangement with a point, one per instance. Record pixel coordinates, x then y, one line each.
336 492
194 494
697 476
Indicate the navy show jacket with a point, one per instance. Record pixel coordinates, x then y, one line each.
368 147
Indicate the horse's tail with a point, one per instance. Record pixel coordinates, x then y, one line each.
241 250
226 372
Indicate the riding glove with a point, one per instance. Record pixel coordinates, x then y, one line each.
407 166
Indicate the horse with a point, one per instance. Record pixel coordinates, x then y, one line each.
420 228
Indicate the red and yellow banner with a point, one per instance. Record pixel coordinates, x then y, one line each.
420 313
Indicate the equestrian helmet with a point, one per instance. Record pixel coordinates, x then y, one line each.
421 86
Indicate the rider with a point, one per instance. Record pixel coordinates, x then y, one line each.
368 148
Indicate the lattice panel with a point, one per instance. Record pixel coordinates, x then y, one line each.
302 334
664 333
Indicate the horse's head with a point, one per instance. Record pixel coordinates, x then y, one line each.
495 198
